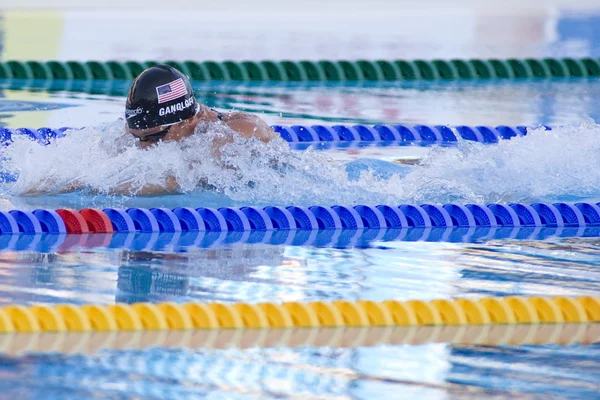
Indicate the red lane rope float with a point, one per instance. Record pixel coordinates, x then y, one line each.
74 221
97 221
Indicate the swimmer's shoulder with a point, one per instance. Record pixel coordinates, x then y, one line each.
244 123
232 115
218 114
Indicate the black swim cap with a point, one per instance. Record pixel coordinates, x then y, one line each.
160 95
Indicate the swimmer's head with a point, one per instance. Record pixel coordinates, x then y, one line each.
159 98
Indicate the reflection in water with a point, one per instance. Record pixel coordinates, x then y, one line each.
477 102
546 371
262 272
436 371
206 275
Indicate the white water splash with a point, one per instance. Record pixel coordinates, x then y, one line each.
100 159
543 165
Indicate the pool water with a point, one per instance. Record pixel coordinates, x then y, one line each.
557 165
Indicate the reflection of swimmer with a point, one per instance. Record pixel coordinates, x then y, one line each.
161 107
212 274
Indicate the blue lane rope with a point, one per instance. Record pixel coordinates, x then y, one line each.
336 226
390 134
276 218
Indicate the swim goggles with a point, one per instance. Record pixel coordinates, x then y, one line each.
154 137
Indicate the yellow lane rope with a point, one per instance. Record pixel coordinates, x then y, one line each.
67 328
172 316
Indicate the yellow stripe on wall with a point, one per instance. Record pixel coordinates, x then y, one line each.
31 35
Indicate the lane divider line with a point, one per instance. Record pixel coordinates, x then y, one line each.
316 314
340 135
558 216
311 71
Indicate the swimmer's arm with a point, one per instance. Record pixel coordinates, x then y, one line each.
50 188
248 125
127 189
171 187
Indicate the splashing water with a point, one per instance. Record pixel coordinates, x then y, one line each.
100 159
557 165
544 165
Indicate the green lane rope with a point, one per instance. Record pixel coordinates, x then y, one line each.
313 71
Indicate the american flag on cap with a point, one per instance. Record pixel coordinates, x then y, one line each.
171 91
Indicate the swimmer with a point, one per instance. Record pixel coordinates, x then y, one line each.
161 107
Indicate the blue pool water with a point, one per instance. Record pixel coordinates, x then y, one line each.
557 165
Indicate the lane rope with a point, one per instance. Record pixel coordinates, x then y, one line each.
171 316
315 218
338 135
312 71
